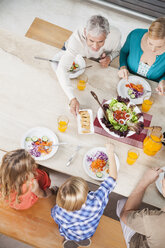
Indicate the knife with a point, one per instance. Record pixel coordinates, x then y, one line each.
73 155
50 60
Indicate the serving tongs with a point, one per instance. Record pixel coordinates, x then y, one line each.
96 98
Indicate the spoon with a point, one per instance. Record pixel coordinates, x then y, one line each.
96 98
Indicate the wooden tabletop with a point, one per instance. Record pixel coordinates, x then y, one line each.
31 96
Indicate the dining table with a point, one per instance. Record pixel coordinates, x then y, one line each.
31 96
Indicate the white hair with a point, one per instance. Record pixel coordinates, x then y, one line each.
97 25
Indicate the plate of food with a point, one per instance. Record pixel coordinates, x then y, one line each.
39 141
95 163
76 68
159 180
124 117
135 89
85 121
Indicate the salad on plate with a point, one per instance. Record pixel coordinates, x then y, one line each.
38 146
135 90
74 67
122 117
98 164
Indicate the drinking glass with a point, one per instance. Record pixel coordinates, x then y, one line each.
132 156
82 80
62 123
147 103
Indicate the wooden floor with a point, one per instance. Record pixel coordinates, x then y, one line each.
48 33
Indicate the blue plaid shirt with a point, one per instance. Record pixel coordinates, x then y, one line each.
81 224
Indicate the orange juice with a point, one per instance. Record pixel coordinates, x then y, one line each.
81 84
151 145
132 156
62 126
62 123
146 105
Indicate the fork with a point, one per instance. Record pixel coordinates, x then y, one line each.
73 155
80 69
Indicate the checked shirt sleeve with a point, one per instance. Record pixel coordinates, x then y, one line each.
106 187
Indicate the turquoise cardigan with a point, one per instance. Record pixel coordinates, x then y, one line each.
131 53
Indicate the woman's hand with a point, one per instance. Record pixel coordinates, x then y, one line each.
161 88
123 72
74 106
104 60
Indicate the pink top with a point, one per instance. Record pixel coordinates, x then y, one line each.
28 198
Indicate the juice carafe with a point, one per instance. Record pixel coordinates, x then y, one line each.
153 143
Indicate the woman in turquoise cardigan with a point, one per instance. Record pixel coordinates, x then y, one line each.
144 54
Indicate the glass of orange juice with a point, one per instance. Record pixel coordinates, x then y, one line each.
82 80
147 103
132 156
62 123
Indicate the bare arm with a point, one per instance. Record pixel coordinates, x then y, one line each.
112 161
39 192
136 196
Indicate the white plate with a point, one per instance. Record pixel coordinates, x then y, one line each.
123 90
80 129
100 115
159 180
78 60
86 164
40 132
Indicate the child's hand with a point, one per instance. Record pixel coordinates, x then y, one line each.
110 148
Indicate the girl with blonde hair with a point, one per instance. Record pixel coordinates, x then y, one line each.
21 182
144 54
78 212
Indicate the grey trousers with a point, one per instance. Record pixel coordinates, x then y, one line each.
127 232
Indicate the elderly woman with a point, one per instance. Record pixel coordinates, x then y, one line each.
144 54
94 41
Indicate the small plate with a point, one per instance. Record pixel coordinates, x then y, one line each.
86 164
123 90
78 60
159 180
40 132
100 115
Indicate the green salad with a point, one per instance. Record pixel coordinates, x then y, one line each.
121 117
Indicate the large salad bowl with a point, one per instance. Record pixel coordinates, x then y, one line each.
126 126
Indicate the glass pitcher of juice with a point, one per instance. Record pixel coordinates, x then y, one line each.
152 143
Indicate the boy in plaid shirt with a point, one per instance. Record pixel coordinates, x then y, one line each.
78 212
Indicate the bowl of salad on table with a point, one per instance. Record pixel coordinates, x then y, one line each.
123 117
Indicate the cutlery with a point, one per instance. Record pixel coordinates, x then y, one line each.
58 144
50 60
73 155
80 69
97 59
96 98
